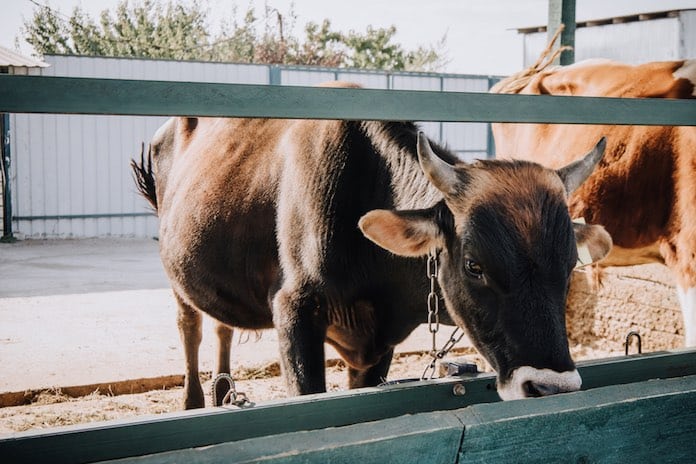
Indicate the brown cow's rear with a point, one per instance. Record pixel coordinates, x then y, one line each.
644 190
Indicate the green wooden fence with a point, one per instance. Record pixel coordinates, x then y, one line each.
623 415
35 94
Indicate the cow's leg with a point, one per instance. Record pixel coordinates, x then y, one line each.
224 343
371 376
189 321
301 334
687 301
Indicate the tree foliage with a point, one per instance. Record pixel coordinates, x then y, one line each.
177 30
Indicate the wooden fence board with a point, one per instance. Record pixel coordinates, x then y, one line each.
419 439
40 94
651 421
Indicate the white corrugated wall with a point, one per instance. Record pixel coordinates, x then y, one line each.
71 175
661 39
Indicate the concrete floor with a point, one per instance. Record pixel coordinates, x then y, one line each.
83 312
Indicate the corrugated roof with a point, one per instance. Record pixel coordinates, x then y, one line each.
11 58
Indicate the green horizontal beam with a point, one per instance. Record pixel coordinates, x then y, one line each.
63 95
650 421
111 440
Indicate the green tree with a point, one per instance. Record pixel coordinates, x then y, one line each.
175 30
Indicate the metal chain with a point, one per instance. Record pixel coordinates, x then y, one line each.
434 319
433 299
232 397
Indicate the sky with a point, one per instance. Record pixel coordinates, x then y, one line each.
481 35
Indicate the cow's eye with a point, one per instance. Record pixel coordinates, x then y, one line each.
473 269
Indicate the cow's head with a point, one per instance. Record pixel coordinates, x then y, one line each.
507 249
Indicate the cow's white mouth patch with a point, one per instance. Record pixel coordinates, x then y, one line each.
528 382
687 71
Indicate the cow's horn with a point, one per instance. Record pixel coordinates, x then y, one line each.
574 174
440 173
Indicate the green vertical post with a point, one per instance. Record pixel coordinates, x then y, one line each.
7 236
563 12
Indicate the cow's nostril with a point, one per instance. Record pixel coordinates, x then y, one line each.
535 390
530 390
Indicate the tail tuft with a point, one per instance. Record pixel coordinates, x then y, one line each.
144 177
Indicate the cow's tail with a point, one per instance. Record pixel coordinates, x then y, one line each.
144 177
519 80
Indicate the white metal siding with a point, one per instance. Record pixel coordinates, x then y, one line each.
305 78
367 80
687 33
78 165
634 42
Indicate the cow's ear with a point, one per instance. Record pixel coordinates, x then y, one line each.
404 233
593 242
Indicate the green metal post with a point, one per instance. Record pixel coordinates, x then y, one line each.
7 236
563 12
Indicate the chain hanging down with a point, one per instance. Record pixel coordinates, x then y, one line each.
434 319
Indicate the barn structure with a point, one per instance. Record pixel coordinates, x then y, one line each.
70 174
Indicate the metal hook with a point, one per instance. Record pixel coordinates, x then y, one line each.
630 335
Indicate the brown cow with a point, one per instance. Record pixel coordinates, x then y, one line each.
644 190
259 228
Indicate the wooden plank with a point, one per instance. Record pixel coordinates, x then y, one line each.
36 94
147 435
635 368
117 439
420 439
652 421
607 424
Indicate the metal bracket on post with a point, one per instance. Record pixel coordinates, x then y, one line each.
562 12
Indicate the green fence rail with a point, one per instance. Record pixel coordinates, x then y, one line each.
36 94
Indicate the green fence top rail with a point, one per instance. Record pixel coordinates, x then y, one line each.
39 94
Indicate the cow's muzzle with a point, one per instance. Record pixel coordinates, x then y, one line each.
529 382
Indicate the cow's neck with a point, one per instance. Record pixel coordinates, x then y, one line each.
396 144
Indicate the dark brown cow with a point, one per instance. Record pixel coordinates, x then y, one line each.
259 228
644 190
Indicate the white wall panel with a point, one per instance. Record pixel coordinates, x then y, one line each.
305 77
633 42
367 80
